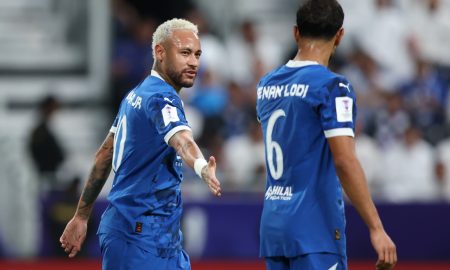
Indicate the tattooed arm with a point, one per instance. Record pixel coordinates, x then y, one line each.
189 151
75 231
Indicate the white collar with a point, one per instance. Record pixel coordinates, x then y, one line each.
156 74
295 63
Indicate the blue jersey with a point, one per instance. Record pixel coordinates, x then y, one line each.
145 199
300 105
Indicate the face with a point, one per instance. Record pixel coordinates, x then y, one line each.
181 57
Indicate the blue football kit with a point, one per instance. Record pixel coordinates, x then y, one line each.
140 229
300 105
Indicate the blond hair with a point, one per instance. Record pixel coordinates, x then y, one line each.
166 29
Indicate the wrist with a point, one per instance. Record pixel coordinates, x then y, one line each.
81 216
376 228
199 164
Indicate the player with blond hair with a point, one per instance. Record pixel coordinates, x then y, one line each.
148 141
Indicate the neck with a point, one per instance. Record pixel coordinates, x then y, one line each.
315 50
158 68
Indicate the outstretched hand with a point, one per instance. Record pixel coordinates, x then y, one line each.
385 248
209 176
73 236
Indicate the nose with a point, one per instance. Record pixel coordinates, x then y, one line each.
193 61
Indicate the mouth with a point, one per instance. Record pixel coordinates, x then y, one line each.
191 73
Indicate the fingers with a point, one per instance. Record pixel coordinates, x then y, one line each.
387 258
213 183
70 248
74 252
395 255
392 255
212 162
381 257
214 186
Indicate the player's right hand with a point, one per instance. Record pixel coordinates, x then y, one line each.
209 176
385 248
73 236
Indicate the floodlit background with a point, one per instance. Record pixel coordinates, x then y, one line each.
65 65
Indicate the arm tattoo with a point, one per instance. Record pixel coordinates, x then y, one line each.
97 178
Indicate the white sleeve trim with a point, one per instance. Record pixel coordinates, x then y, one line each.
113 129
173 131
339 132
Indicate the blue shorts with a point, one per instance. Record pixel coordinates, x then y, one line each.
312 261
119 254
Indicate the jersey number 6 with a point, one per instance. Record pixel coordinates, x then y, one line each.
275 171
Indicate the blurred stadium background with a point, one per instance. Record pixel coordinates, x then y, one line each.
65 65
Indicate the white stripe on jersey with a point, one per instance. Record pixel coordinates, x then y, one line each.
339 132
173 131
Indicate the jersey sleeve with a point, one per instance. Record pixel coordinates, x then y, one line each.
113 128
338 109
167 114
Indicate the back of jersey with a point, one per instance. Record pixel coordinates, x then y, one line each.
299 106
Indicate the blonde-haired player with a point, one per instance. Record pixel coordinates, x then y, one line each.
147 142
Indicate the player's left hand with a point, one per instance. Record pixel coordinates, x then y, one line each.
209 176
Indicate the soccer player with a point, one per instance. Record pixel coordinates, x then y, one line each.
307 114
147 142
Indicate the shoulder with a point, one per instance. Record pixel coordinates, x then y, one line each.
334 82
155 91
329 78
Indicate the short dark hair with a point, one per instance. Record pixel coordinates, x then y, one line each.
319 18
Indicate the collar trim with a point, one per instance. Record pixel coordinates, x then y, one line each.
296 64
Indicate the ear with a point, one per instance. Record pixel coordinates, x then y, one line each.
296 32
338 37
159 52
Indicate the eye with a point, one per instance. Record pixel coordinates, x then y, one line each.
185 53
197 55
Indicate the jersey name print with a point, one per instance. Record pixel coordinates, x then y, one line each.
145 199
278 91
300 105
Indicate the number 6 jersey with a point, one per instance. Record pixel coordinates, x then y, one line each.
299 106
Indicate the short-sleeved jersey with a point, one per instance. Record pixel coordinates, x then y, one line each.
145 199
300 105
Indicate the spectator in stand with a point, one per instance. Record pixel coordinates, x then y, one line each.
388 25
238 112
249 50
430 23
408 170
46 151
213 48
426 98
131 58
368 153
365 75
243 159
443 167
391 121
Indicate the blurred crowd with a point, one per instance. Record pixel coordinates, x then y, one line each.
395 53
